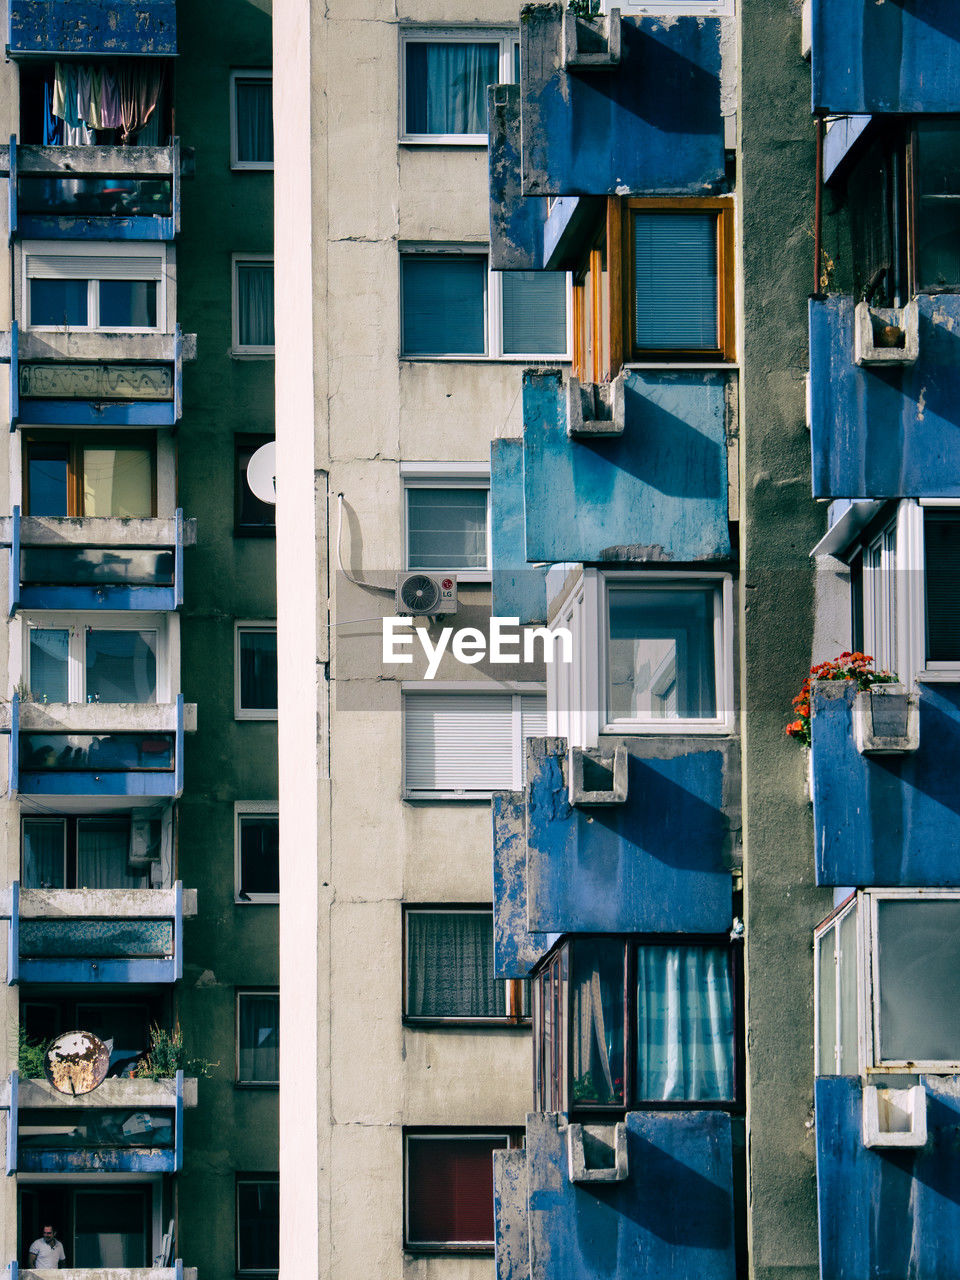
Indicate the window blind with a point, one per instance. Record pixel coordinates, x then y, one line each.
95 266
450 1188
534 312
443 305
675 280
459 742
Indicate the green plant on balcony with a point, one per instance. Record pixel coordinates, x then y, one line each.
31 1056
584 8
849 666
167 1056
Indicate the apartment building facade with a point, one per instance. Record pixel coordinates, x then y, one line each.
140 827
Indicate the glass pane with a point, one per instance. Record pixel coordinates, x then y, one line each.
95 566
259 1053
848 995
450 1189
827 1002
110 1229
534 312
255 304
450 966
919 996
685 1046
44 851
117 482
48 471
938 205
447 85
124 1026
447 528
97 197
103 855
259 855
941 543
258 1226
258 670
65 1129
444 305
596 1022
59 303
48 665
675 280
255 121
128 304
661 654
121 666
96 752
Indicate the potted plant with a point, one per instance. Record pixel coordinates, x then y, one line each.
885 714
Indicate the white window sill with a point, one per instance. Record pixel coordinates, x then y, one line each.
255 715
481 797
242 353
933 676
252 166
443 140
258 900
464 577
481 359
661 728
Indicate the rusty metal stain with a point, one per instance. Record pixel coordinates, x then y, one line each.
76 1062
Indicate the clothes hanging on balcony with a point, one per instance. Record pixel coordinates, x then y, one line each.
139 85
52 125
99 98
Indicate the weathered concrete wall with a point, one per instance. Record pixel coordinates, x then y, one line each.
516 220
887 57
887 1213
885 432
519 589
780 525
93 27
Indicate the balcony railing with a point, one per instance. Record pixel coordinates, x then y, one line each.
96 563
176 1272
101 28
96 935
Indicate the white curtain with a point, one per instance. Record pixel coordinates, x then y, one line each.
103 850
255 304
255 121
447 86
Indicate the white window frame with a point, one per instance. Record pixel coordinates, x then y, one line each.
865 903
258 992
237 349
244 809
442 475
250 1179
253 73
492 308
240 712
675 8
517 689
507 38
167 651
32 249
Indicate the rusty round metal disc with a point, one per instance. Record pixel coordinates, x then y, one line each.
76 1062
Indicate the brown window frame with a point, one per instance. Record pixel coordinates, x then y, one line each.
76 442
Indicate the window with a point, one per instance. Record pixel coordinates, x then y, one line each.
620 1022
256 671
447 518
452 305
251 119
258 1037
96 852
117 662
445 76
448 1189
89 475
125 1022
887 995
251 517
671 8
253 304
448 968
466 744
117 289
102 1227
257 844
258 1224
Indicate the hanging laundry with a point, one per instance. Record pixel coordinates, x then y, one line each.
84 87
110 117
77 135
52 126
56 105
94 116
139 84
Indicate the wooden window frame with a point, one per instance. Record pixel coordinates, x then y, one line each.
75 443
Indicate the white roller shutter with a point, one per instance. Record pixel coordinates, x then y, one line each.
458 742
95 266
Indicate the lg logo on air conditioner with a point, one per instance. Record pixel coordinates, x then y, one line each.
505 643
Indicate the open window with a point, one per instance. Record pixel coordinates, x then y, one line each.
621 1022
100 1226
89 474
887 996
257 846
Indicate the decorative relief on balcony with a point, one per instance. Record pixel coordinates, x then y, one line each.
96 382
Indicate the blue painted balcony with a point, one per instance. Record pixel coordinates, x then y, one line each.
615 106
887 1211
96 563
94 193
98 749
556 1220
89 379
891 819
101 28
885 430
892 57
659 862
177 1271
663 478
122 1126
97 935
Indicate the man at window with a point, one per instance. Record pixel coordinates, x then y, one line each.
46 1253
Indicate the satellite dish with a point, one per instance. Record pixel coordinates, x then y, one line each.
262 473
76 1062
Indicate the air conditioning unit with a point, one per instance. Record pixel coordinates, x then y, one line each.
424 595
